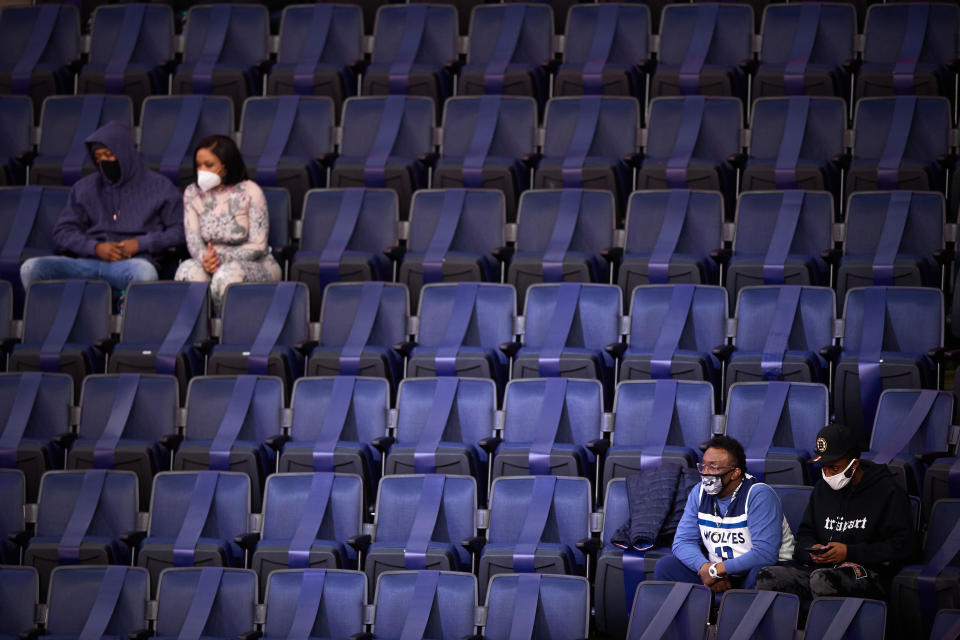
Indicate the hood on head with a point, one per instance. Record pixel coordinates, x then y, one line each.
117 137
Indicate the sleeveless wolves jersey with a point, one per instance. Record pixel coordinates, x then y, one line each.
724 534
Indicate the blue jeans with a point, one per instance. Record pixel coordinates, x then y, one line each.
669 568
118 274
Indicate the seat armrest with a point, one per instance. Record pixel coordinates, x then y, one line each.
724 351
531 159
503 254
831 352
206 345
327 159
842 160
171 441
851 65
20 538
366 635
474 545
598 447
616 349
133 538
613 255
927 457
429 159
510 349
360 543
748 65
139 634
395 252
634 159
831 256
722 255
277 441
944 256
65 439
490 444
247 541
383 443
306 347
590 546
404 348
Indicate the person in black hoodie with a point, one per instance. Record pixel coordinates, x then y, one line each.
857 531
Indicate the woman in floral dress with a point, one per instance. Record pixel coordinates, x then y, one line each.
225 221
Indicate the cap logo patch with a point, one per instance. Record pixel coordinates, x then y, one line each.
821 445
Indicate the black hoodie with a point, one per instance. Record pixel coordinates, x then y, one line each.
872 517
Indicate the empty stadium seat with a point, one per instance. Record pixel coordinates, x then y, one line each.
488 142
780 239
794 500
19 597
868 617
65 123
460 329
689 232
320 45
163 325
780 332
97 601
224 48
283 140
562 236
16 143
13 495
425 604
796 143
318 602
131 48
263 326
385 142
757 614
670 610
658 420
777 423
804 49
281 219
946 623
230 422
211 602
171 127
555 607
82 517
127 421
454 236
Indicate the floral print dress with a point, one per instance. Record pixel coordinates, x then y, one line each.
235 220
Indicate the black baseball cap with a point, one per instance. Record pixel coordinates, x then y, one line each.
836 441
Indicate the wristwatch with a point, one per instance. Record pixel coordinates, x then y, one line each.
712 570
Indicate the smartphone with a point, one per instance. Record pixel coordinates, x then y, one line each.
816 550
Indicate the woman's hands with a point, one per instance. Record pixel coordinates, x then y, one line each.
211 262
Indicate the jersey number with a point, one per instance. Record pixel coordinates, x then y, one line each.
724 553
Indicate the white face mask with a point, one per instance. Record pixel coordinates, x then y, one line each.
839 480
207 180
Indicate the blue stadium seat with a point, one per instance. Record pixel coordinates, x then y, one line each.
131 48
19 597
384 141
124 421
454 236
307 518
211 603
613 588
281 219
907 49
701 48
34 208
689 228
65 325
13 495
794 499
319 46
194 518
887 334
780 332
910 428
777 423
439 427
65 123
670 610
796 143
163 324
508 46
757 614
780 238
359 326
16 137
107 602
589 143
562 235
224 48
869 618
567 328
946 624
551 426
82 517
607 45
664 420
171 127
555 607
36 424
488 142
283 140
263 326
420 522
803 49
334 422
414 51
340 597
689 143
425 604
230 424
39 43
897 143
893 239
535 524
460 329
674 330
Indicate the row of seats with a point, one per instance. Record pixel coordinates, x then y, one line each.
608 48
590 142
535 525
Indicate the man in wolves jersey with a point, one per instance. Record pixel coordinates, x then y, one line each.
732 525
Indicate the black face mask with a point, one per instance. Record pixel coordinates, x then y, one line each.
110 170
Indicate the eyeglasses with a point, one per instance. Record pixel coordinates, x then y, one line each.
712 469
